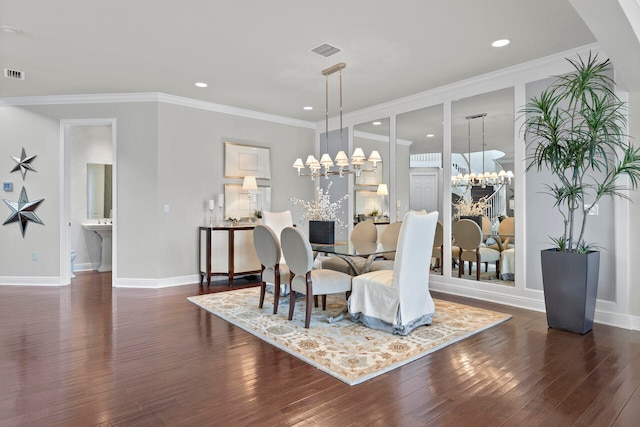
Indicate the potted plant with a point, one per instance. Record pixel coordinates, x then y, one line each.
322 215
575 130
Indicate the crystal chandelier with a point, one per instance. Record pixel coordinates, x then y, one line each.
485 178
340 165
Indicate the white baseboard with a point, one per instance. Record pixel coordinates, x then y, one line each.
157 283
30 281
536 304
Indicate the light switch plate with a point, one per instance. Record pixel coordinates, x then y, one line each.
7 186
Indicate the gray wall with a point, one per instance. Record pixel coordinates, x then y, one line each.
165 155
634 214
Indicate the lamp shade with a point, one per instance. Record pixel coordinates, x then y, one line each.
249 183
382 190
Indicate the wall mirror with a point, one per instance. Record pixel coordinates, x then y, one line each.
482 144
372 188
419 139
99 181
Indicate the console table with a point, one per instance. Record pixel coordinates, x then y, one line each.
227 251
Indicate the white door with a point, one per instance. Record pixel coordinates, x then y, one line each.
423 191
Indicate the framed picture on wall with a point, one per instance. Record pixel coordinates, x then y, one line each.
370 178
245 160
241 203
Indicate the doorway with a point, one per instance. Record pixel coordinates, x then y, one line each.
423 191
86 143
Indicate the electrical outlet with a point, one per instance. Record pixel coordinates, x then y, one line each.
34 256
594 209
7 186
165 209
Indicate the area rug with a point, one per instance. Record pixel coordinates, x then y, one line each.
346 350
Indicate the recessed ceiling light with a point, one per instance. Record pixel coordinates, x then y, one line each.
8 29
308 107
201 84
430 135
501 43
376 123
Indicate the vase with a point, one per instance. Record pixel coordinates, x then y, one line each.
322 232
475 218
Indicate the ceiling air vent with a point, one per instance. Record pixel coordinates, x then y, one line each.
13 74
325 50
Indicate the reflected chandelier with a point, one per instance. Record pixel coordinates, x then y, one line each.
326 167
485 178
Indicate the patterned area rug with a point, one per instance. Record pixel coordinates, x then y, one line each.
345 350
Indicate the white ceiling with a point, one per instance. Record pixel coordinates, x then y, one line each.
255 54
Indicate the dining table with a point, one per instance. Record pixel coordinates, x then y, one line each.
347 251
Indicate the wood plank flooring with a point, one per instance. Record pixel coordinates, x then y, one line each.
90 355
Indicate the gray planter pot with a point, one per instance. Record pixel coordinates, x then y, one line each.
570 283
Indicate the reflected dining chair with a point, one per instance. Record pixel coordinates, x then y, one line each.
468 236
438 248
363 232
398 301
304 278
389 238
505 238
273 271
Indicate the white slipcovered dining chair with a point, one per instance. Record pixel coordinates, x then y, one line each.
269 253
277 221
398 300
363 232
304 278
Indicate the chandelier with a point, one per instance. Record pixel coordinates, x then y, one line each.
485 178
340 165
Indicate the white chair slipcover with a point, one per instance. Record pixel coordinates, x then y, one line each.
398 300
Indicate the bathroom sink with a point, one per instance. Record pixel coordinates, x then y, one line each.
97 227
104 231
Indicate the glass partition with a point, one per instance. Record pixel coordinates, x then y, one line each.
482 146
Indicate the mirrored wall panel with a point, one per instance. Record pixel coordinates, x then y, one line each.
372 190
482 195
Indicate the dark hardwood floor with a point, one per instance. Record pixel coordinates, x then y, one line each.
87 354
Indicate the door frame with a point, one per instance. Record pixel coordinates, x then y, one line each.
65 192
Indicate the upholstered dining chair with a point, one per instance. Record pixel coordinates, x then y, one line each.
304 278
438 248
363 232
468 236
277 221
389 238
398 300
505 238
269 253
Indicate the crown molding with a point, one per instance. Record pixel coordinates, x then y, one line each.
110 98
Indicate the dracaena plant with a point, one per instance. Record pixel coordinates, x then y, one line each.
576 129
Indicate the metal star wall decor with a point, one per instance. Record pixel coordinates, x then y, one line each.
23 163
23 211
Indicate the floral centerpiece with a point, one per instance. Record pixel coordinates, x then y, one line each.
466 208
321 212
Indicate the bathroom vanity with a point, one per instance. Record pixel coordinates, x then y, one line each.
104 232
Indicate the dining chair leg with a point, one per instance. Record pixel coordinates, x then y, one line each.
292 304
497 269
324 302
460 265
478 264
276 291
307 316
315 301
